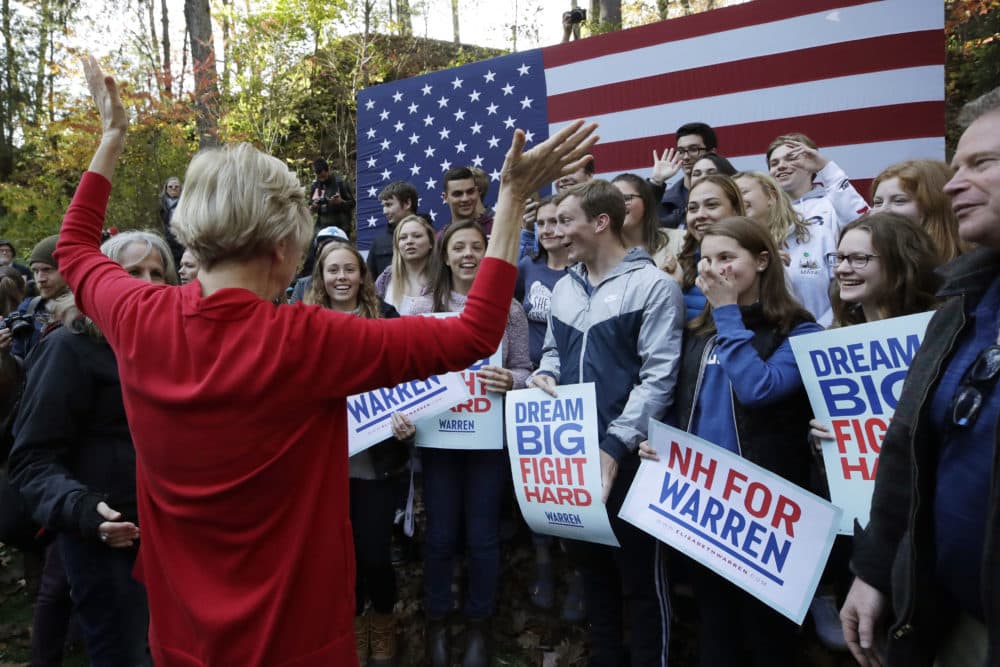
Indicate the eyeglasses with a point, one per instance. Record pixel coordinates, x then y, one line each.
980 377
691 151
856 260
629 198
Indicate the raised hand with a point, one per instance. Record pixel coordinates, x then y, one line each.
563 153
808 158
114 119
665 166
718 287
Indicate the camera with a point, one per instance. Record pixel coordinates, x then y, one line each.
577 15
20 325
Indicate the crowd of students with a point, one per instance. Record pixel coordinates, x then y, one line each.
677 298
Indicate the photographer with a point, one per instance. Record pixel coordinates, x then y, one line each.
331 198
571 22
50 285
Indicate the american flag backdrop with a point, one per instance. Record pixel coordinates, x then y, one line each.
864 79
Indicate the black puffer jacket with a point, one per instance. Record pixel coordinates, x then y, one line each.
72 446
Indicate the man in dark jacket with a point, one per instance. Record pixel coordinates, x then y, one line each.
693 141
399 199
932 546
331 199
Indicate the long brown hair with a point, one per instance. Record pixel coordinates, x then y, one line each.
652 239
399 277
687 257
907 256
780 309
316 294
11 289
924 180
442 272
781 217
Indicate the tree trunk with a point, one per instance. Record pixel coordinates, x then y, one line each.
7 99
663 9
611 14
595 12
206 80
454 20
404 17
226 66
168 78
44 30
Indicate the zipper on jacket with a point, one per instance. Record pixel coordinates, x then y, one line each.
906 627
705 354
736 427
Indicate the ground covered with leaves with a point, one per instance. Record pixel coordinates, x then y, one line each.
524 636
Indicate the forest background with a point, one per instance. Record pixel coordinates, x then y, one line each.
281 74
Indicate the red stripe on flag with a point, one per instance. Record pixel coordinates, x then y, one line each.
781 69
696 25
857 126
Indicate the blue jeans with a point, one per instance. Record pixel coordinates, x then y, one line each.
110 604
462 485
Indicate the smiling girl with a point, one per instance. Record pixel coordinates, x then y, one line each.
340 281
409 275
739 387
714 198
463 488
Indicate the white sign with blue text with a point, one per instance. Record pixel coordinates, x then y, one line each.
476 422
752 527
854 376
369 415
555 460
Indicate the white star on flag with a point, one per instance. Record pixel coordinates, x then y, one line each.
386 174
524 69
414 138
426 90
474 96
415 170
372 192
456 84
371 133
413 108
399 126
446 165
491 109
493 141
431 183
477 161
526 102
507 90
428 120
429 151
397 96
528 136
444 133
494 175
372 221
489 76
475 128
443 102
372 162
400 156
459 115
384 115
434 215
460 147
385 144
509 122
370 104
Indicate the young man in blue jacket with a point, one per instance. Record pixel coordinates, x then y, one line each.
616 321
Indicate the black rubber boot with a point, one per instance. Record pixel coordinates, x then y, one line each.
477 644
437 642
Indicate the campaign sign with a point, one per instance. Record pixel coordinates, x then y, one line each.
474 423
555 459
756 529
369 415
854 376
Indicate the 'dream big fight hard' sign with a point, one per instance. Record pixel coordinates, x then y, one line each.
756 529
555 462
854 376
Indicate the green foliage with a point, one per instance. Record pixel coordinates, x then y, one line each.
972 65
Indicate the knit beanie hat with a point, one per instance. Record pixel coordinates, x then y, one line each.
44 251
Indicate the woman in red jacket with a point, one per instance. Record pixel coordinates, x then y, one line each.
237 406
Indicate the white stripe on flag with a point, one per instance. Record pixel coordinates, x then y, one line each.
915 84
876 19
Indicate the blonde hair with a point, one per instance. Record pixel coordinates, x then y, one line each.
239 202
368 303
781 218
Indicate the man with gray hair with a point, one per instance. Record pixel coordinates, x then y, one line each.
931 549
